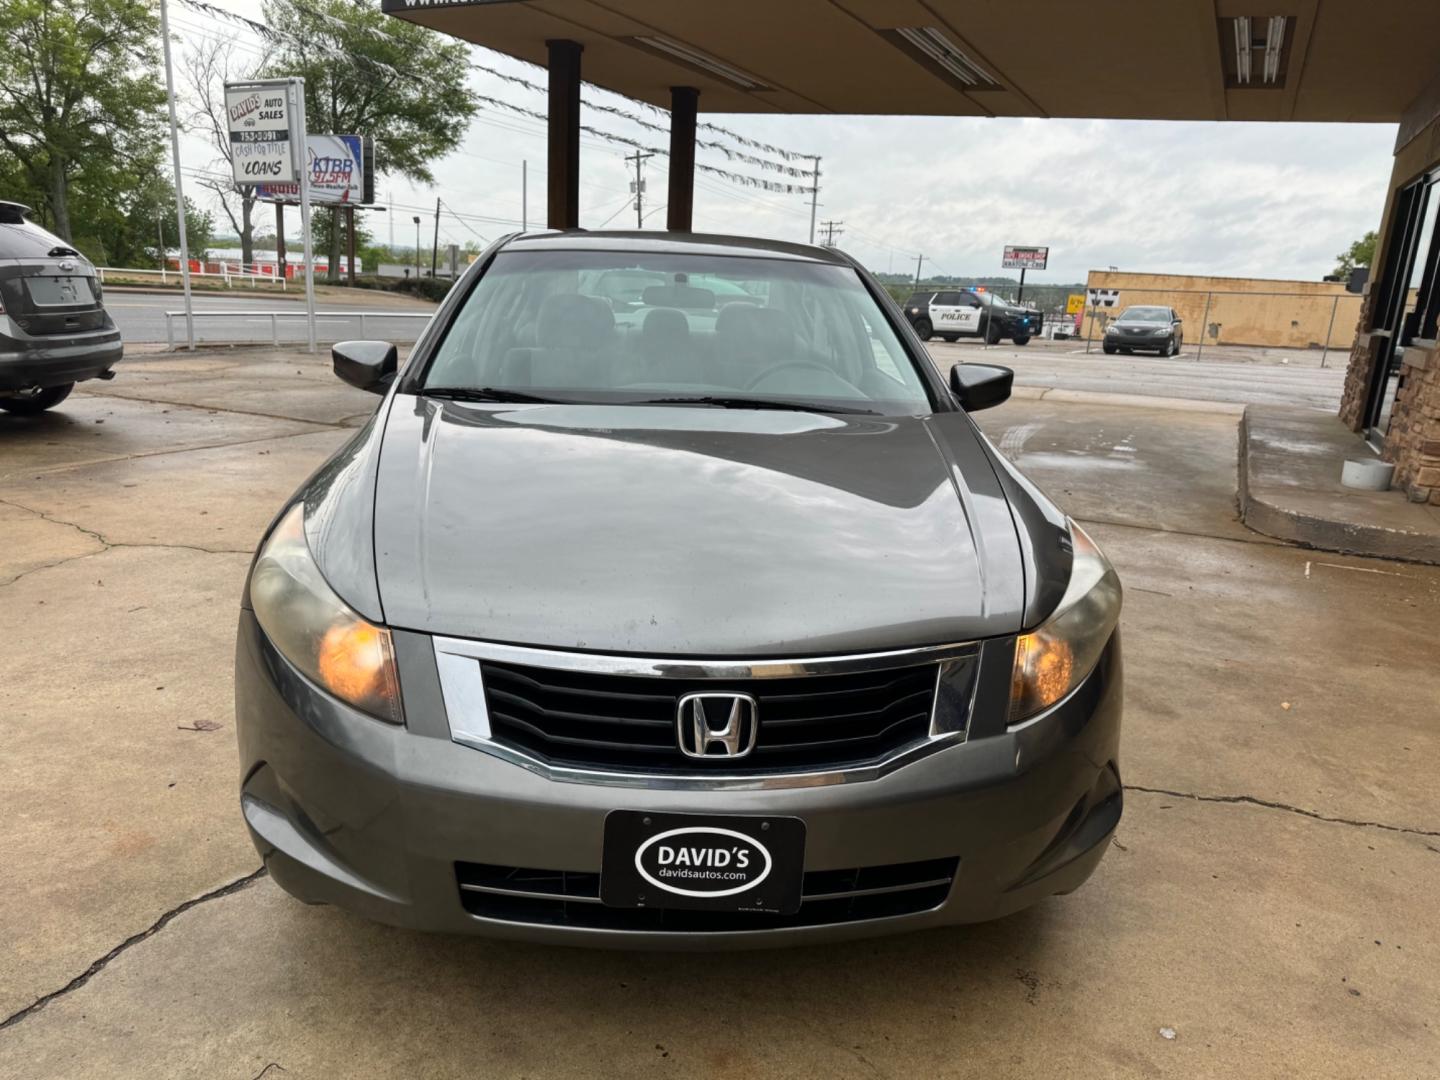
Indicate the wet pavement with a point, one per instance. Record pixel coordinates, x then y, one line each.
1266 908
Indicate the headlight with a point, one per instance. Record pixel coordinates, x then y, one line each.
1161 332
1053 659
1112 329
317 631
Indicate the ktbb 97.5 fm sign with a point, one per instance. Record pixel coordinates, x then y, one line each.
342 169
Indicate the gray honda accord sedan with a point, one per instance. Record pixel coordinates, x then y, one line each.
698 614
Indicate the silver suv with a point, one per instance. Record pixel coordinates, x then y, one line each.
54 330
700 616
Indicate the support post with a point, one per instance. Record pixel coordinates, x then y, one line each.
680 209
350 241
1020 295
298 132
1204 327
280 240
563 164
1325 351
524 196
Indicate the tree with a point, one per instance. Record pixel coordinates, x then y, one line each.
1360 253
207 68
79 97
367 73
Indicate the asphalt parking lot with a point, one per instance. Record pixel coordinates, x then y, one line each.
1267 908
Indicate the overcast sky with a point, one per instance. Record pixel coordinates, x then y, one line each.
1265 200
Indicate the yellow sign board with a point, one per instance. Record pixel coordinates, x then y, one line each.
1075 304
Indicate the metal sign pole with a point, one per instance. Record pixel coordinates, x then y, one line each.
179 187
301 153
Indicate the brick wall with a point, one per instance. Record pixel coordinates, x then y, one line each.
1413 441
1357 373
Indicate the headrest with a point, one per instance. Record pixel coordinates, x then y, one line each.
572 321
666 323
689 297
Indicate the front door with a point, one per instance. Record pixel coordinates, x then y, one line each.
955 313
1404 295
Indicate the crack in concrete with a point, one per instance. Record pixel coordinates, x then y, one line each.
1270 804
106 543
129 943
316 428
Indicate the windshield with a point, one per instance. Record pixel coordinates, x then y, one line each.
1147 314
701 328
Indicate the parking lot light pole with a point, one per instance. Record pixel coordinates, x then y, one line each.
417 247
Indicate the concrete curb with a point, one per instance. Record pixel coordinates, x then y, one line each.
1130 401
1264 508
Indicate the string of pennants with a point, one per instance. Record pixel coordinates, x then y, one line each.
731 154
734 136
776 186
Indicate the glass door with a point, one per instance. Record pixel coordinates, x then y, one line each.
1406 298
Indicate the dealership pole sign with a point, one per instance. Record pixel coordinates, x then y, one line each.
1017 257
266 121
262 136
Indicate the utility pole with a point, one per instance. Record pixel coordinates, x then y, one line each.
179 188
638 186
391 200
918 260
832 230
435 244
814 196
524 196
417 247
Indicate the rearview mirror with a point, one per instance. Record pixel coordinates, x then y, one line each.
979 386
367 365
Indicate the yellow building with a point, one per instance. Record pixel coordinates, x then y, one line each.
1231 311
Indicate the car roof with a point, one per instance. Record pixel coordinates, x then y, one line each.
673 243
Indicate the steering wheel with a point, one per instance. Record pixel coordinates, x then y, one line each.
808 365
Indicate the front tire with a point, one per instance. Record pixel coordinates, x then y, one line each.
950 337
34 404
992 333
923 330
1023 339
1109 349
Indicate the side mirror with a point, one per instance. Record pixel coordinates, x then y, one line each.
367 365
980 386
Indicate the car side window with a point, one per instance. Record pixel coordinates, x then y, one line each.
947 299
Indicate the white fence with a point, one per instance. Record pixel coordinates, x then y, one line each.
275 316
226 274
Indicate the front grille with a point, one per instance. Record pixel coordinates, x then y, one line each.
628 721
566 898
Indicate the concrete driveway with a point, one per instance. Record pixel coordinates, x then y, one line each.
1267 908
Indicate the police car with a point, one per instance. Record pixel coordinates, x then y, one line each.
958 313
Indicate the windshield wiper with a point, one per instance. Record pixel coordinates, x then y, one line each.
487 393
756 403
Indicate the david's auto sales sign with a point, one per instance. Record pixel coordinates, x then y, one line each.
258 118
337 172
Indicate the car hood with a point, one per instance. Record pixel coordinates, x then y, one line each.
691 531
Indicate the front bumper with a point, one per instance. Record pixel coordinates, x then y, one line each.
1140 341
378 819
28 361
